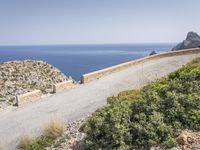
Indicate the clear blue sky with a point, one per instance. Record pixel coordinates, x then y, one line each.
97 21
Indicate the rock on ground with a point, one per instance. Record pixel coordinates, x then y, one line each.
18 77
186 140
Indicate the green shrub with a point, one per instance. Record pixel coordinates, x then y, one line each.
40 143
109 128
140 120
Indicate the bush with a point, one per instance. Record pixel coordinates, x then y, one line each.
109 127
40 143
140 120
52 130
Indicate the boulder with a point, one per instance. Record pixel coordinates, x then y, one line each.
182 138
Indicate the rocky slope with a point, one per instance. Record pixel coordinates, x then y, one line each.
192 41
18 77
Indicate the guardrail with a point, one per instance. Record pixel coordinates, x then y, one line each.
66 85
69 84
101 73
37 94
28 97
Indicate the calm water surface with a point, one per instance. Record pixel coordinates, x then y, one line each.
75 60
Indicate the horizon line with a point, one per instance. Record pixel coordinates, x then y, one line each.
74 44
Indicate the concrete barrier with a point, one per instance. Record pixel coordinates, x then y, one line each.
28 97
101 73
59 87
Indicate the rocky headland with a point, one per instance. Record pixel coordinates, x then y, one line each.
19 77
192 41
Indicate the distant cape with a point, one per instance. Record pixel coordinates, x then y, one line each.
192 41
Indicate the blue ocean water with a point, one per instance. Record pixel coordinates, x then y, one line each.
75 60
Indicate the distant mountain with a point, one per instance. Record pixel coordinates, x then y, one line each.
192 41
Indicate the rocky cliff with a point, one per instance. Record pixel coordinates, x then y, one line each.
192 41
18 77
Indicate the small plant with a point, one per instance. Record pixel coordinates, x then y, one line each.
51 132
54 128
41 143
25 142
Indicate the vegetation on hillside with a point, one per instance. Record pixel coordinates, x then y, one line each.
148 117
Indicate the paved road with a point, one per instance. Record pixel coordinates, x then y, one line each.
83 99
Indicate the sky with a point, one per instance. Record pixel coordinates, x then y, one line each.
38 22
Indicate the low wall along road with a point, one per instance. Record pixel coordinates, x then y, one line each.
28 97
66 85
37 94
101 73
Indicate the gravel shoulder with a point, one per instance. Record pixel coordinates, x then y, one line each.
82 100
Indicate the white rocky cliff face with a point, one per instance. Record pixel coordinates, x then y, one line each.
192 41
19 77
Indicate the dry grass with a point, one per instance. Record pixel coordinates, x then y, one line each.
195 62
25 142
3 147
54 129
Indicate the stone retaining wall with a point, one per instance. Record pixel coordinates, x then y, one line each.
59 87
101 73
28 97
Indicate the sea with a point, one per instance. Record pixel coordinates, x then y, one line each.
75 60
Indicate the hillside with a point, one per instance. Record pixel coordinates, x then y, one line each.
18 77
152 117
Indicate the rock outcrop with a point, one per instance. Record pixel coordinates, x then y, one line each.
189 140
192 41
19 77
152 53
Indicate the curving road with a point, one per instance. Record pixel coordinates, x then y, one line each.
82 100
